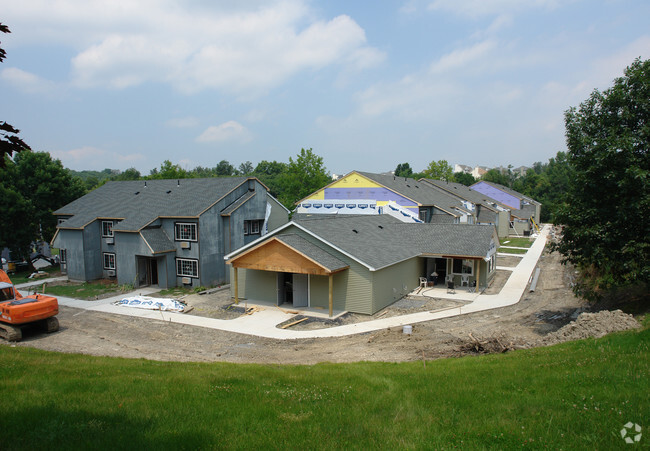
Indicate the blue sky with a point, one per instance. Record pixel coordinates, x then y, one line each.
367 85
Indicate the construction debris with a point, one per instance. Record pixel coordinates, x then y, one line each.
590 325
294 323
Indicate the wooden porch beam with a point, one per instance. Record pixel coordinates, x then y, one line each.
236 285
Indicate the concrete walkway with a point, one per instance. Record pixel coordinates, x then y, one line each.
263 323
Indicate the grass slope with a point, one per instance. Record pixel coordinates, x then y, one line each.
572 396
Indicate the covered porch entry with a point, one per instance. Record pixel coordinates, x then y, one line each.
295 263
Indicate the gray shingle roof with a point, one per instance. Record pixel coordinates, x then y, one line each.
460 190
419 192
382 240
157 240
139 202
238 203
312 251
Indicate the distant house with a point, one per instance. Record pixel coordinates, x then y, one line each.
359 264
163 232
486 210
370 194
523 209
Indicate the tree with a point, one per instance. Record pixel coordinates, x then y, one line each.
129 174
464 178
606 231
33 186
403 170
225 169
169 171
303 176
270 173
497 176
9 140
439 170
245 168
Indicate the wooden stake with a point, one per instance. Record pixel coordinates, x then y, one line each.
236 285
294 323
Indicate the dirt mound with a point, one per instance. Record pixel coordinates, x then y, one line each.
591 325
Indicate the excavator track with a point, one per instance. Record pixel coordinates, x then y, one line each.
11 333
50 324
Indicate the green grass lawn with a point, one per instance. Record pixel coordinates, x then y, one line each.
504 250
23 276
86 290
517 242
572 396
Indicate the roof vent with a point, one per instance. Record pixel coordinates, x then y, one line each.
381 226
136 193
145 183
178 183
169 191
355 230
407 184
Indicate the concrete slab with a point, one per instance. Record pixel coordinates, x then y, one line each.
263 323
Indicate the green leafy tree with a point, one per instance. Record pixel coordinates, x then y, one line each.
34 185
129 174
403 170
9 140
225 169
270 173
439 170
245 168
606 230
304 175
463 178
169 171
494 175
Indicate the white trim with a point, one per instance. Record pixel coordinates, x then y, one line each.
278 202
177 231
179 259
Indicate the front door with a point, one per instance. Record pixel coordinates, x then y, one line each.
153 271
300 290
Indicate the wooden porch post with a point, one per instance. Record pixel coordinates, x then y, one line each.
478 274
236 285
331 294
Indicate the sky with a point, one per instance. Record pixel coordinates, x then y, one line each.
367 85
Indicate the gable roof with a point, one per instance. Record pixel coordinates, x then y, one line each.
510 191
379 241
419 192
462 191
139 202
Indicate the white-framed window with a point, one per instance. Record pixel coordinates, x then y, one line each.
492 264
109 260
463 266
107 228
185 231
187 267
253 227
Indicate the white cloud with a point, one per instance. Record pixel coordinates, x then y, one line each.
228 131
462 57
27 82
243 48
93 158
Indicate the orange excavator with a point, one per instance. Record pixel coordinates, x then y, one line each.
17 310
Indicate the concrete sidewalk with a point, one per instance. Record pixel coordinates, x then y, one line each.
264 322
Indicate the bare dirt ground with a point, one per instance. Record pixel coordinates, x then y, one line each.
550 307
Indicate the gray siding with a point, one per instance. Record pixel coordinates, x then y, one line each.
279 216
390 284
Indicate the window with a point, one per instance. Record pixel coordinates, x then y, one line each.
107 228
463 266
253 227
109 261
63 256
423 214
492 264
185 231
186 267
